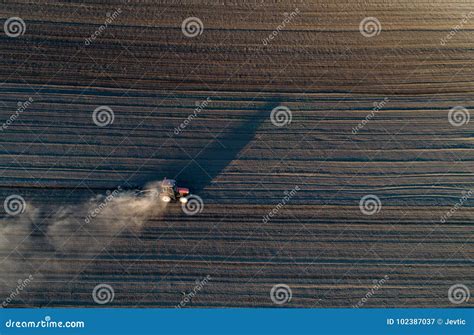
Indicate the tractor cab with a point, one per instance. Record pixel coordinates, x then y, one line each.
170 192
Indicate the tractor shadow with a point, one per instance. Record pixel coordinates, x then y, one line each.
209 163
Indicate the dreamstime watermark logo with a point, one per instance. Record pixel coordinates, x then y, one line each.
22 284
377 107
22 106
458 294
281 294
287 20
377 286
103 294
108 198
466 195
459 116
111 17
194 205
283 202
103 116
281 116
192 27
370 204
14 27
14 204
197 288
200 107
456 28
370 27
46 323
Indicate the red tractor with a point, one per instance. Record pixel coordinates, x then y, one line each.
166 190
170 192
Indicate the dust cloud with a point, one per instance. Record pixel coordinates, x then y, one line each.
35 243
